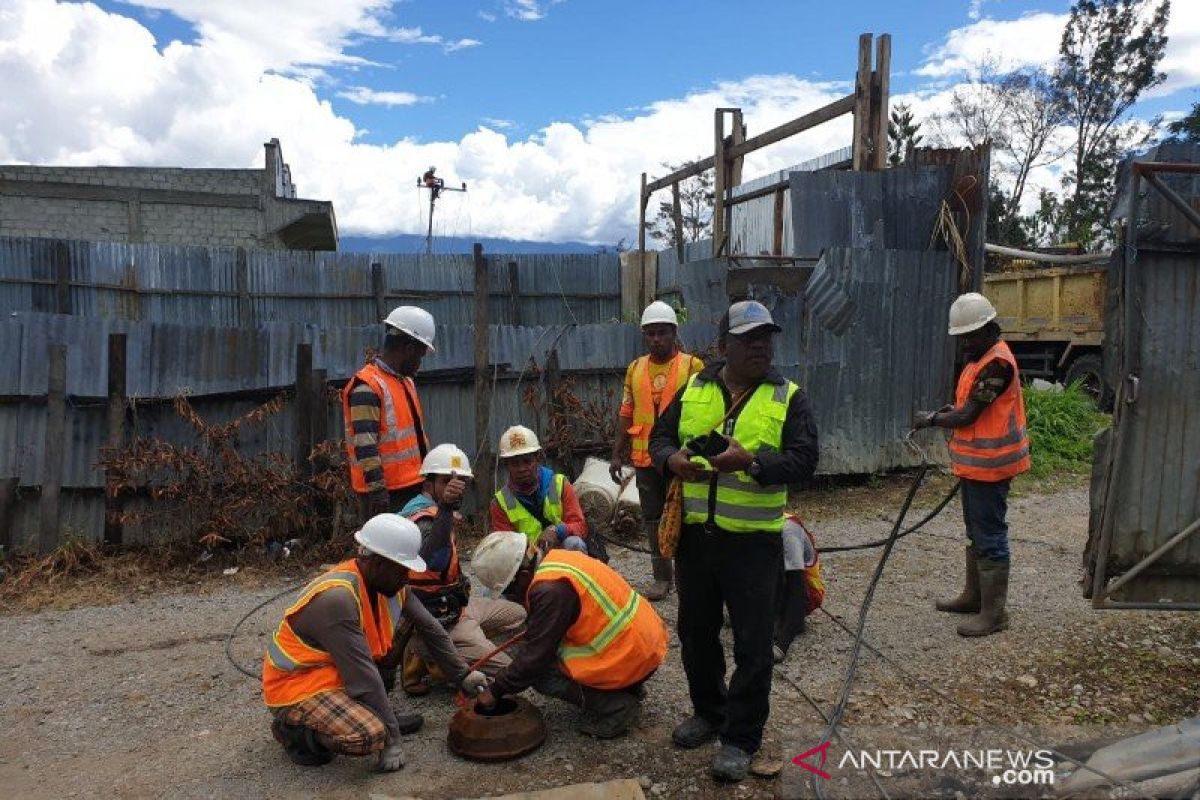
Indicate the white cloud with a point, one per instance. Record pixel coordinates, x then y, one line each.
500 124
486 16
1182 59
1029 41
365 96
528 10
417 36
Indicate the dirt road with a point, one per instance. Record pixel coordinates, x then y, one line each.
136 699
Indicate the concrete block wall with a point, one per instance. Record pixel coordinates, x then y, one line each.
214 226
102 220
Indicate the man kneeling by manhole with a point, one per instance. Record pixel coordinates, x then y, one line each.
591 639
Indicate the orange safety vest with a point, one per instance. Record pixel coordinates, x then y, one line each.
432 582
618 639
645 412
294 670
399 448
996 446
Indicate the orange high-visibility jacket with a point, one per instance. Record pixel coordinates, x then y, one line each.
645 413
618 639
399 448
996 446
431 582
294 670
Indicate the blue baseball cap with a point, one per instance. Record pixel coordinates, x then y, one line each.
747 315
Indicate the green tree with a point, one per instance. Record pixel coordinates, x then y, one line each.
903 133
695 206
1187 128
1108 57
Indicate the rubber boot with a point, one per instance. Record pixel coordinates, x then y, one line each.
663 568
968 601
993 592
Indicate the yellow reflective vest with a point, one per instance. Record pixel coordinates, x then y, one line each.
734 501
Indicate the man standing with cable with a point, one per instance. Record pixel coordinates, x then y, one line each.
988 448
651 382
736 436
385 425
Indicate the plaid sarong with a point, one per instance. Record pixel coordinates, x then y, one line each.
354 728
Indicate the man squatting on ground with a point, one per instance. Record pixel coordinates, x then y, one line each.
326 673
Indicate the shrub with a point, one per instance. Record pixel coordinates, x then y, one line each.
1061 427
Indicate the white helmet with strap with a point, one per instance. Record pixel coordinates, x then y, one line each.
498 557
970 312
659 313
394 537
416 322
446 459
517 441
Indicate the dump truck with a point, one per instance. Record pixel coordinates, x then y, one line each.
1053 319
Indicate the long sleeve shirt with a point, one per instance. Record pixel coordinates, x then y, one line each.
573 522
553 609
365 411
436 532
797 457
331 623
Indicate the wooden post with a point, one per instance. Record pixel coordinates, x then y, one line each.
483 395
777 229
320 406
551 374
862 105
880 87
514 293
53 448
379 291
677 217
737 136
302 420
643 200
62 278
117 400
719 181
8 510
245 310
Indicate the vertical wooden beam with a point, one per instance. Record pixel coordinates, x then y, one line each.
62 278
8 511
880 89
379 291
320 406
677 217
738 135
302 403
53 448
777 220
514 293
117 400
643 200
483 395
719 183
245 309
551 375
862 104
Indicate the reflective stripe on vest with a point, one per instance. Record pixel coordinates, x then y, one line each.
522 520
433 581
398 443
645 412
996 446
741 504
294 670
617 640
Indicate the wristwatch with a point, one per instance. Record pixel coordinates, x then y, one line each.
755 468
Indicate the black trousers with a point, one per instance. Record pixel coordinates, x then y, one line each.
715 568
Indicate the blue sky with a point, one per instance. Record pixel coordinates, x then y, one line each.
549 109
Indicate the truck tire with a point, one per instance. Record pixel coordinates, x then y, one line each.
1088 371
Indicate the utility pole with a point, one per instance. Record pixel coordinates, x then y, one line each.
435 186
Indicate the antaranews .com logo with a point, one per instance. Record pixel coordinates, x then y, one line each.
1006 767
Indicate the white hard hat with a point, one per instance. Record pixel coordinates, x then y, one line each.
658 313
970 312
517 441
498 557
394 537
416 322
446 459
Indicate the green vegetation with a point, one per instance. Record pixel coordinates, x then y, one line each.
1061 426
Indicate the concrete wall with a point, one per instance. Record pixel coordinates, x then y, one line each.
165 205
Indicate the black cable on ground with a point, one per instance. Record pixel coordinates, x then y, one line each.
233 631
880 543
835 716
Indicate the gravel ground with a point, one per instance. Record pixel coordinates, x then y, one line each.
136 699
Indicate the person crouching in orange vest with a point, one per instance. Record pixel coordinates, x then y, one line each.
651 382
323 674
591 639
989 446
385 426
